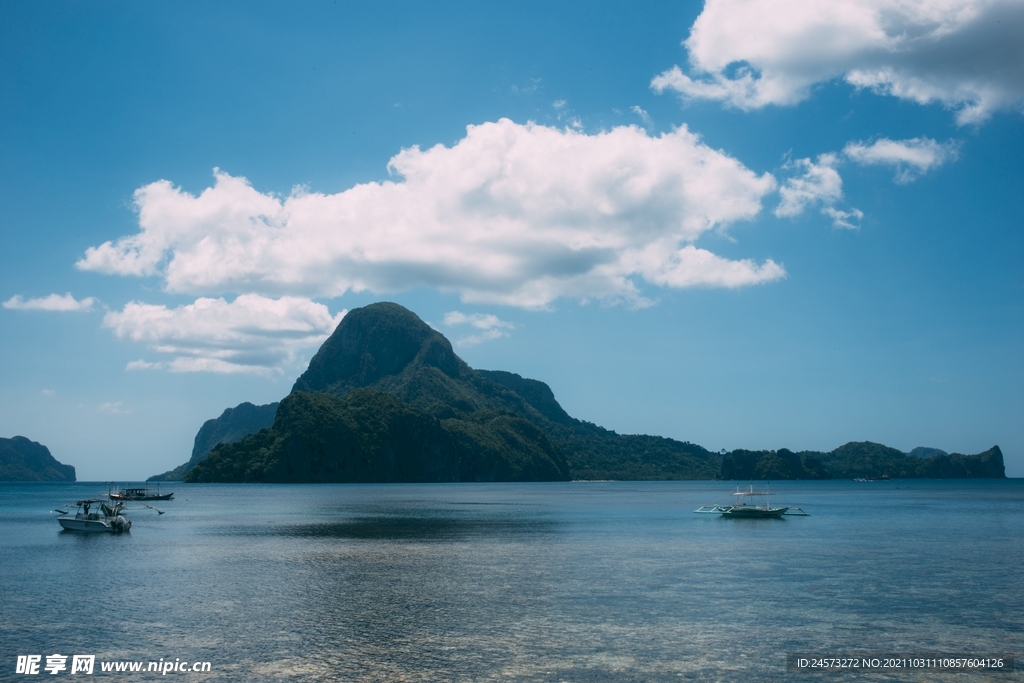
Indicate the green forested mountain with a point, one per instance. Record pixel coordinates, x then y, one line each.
386 399
234 424
25 460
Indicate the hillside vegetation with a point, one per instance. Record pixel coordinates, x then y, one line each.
234 424
24 460
386 399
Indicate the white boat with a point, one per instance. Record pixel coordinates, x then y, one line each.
109 519
745 506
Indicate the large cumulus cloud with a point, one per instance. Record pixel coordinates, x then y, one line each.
965 54
511 214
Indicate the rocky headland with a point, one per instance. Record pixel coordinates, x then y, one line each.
386 399
24 460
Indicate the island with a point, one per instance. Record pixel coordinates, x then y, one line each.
22 459
386 399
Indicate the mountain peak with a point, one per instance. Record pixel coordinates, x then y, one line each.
22 459
374 342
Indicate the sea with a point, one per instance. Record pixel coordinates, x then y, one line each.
582 581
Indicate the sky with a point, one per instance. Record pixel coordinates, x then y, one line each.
740 223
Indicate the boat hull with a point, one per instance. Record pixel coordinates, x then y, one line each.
92 526
755 513
138 494
119 496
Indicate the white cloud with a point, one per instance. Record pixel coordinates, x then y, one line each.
964 54
144 365
644 116
481 321
693 267
818 182
53 302
511 214
490 326
49 392
531 88
911 158
740 91
842 219
113 408
250 334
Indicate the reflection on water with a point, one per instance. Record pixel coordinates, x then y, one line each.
525 582
413 528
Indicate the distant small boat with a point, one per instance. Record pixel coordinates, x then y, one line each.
746 508
109 519
139 494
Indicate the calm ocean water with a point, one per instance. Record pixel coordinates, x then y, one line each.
517 582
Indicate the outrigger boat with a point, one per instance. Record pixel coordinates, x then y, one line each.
746 508
109 519
139 494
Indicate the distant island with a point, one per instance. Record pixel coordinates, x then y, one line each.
386 399
862 459
25 460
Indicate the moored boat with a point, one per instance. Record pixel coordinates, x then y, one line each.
139 494
108 520
745 506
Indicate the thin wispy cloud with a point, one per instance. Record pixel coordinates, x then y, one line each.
911 158
644 116
54 303
519 215
530 88
844 219
251 334
489 326
113 408
963 54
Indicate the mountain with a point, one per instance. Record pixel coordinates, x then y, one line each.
233 425
25 460
387 399
450 422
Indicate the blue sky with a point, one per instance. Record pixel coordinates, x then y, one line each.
786 224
